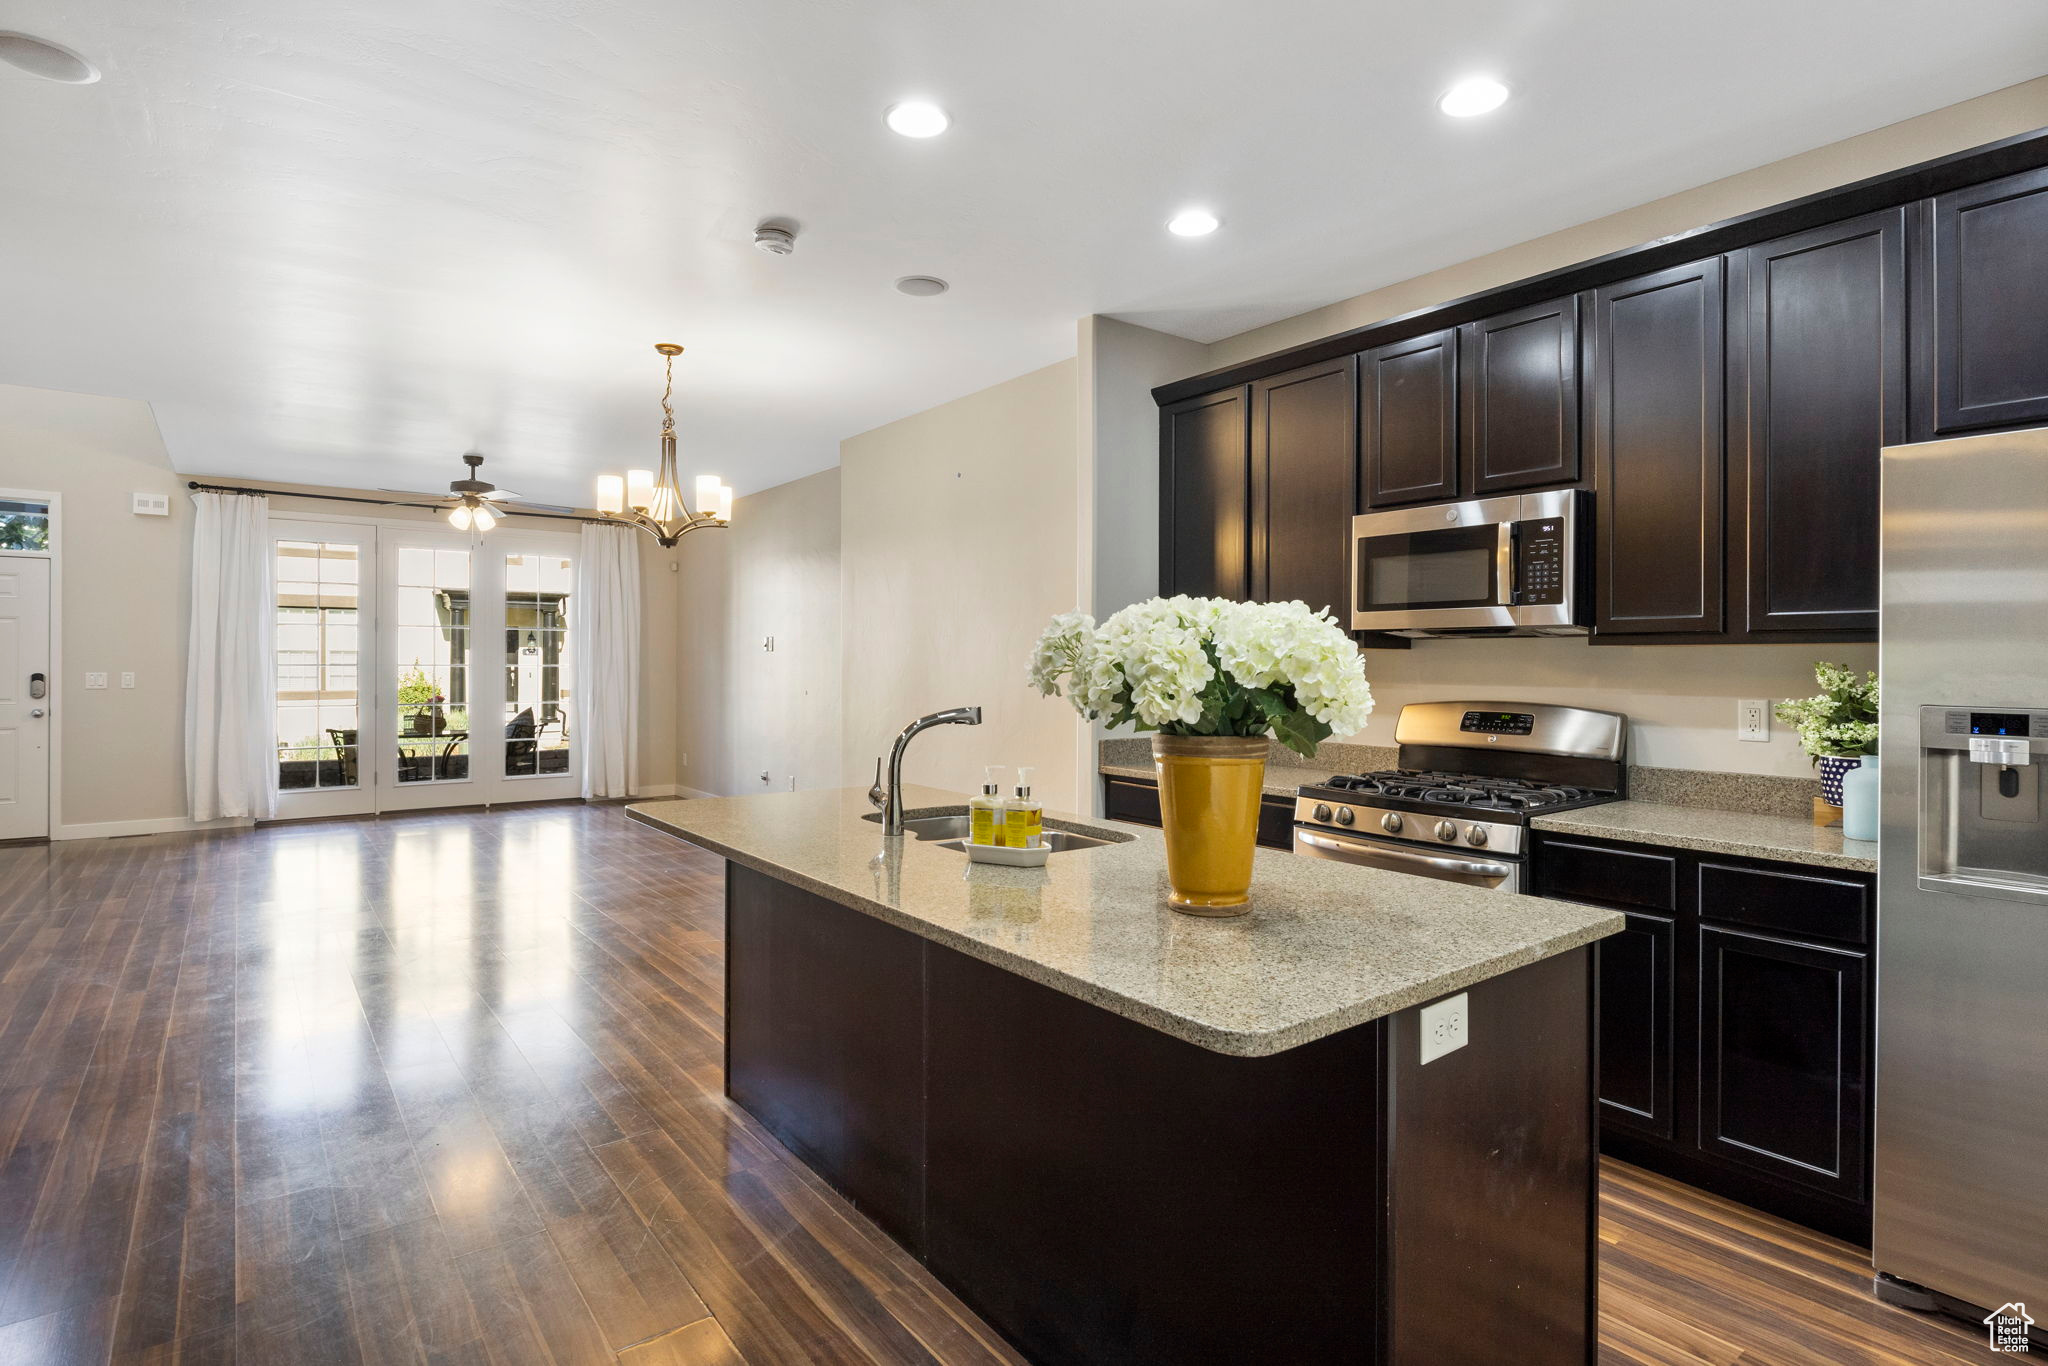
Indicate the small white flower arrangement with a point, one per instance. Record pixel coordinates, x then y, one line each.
1209 666
1840 722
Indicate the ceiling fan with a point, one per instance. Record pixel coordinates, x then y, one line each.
475 503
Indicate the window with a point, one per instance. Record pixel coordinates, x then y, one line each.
24 525
432 663
537 683
318 706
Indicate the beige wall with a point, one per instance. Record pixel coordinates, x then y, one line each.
959 539
124 608
2003 113
742 710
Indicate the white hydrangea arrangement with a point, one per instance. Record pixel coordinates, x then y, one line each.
1209 666
1840 722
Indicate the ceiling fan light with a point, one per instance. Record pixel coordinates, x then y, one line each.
611 494
639 489
458 517
483 519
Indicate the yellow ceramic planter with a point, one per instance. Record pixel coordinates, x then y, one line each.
1209 789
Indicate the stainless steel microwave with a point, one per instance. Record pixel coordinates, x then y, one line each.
1513 565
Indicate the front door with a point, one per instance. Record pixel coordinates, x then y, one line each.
25 697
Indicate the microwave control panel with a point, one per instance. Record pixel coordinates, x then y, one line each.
1539 560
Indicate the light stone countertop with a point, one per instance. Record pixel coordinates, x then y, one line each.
1792 839
1327 945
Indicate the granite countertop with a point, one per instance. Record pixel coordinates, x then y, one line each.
1327 945
1792 839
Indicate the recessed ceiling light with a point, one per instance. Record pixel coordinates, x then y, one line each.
41 57
921 286
917 119
1477 95
1193 223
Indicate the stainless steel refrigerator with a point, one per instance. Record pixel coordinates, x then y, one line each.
1961 1198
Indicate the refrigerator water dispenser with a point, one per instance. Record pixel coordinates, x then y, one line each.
1983 825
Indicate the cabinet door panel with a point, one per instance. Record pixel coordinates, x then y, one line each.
1983 364
1824 376
1205 485
1638 991
1519 396
1408 429
1304 461
1126 799
1657 444
1783 1037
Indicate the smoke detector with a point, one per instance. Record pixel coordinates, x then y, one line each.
775 239
921 286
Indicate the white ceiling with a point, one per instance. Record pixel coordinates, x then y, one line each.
342 243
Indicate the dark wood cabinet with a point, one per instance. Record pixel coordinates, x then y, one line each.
1783 1058
1518 398
1818 349
1205 496
1656 401
1980 361
1735 1022
1304 458
1408 420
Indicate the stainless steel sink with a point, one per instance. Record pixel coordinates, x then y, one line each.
951 829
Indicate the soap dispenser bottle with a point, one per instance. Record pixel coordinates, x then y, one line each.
985 813
1023 816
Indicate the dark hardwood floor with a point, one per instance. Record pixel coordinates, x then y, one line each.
446 1089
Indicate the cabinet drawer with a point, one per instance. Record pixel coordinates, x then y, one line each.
1608 877
1790 903
1124 799
1276 822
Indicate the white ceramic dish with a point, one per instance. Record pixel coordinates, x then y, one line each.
1003 854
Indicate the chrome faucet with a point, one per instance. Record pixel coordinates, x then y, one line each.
890 798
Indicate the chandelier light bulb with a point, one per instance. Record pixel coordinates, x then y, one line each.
707 494
611 494
639 489
653 500
724 502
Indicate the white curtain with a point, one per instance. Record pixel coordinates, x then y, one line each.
604 648
230 689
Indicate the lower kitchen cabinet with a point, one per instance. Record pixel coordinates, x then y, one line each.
1735 1026
1137 801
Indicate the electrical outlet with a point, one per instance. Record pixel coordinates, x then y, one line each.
1444 1027
1753 720
768 644
95 680
127 680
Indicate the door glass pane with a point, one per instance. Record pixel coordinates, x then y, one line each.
432 665
24 526
536 659
314 653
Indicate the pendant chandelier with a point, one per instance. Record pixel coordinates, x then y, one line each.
653 501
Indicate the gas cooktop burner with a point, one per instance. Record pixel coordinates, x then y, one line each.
1464 790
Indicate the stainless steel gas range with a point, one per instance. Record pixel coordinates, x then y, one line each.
1471 775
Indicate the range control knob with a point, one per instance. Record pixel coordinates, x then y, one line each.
1345 815
1322 811
1476 835
1391 822
1446 831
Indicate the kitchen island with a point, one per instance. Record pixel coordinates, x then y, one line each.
1126 1135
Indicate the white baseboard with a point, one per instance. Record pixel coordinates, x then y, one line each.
674 790
153 825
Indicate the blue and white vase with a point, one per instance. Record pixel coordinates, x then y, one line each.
1831 770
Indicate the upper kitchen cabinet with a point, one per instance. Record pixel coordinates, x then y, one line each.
1518 382
1818 350
1304 458
1408 420
1204 495
1655 392
1979 361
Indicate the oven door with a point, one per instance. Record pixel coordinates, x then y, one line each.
1500 875
1448 567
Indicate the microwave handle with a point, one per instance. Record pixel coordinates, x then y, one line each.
1504 564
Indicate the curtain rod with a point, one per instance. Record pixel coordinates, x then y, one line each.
499 509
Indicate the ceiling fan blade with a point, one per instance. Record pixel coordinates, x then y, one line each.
415 493
524 506
501 496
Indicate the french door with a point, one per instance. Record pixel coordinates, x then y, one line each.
418 668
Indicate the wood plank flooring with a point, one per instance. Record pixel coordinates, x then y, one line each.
446 1089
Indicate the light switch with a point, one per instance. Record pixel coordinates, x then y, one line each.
127 680
95 680
152 504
